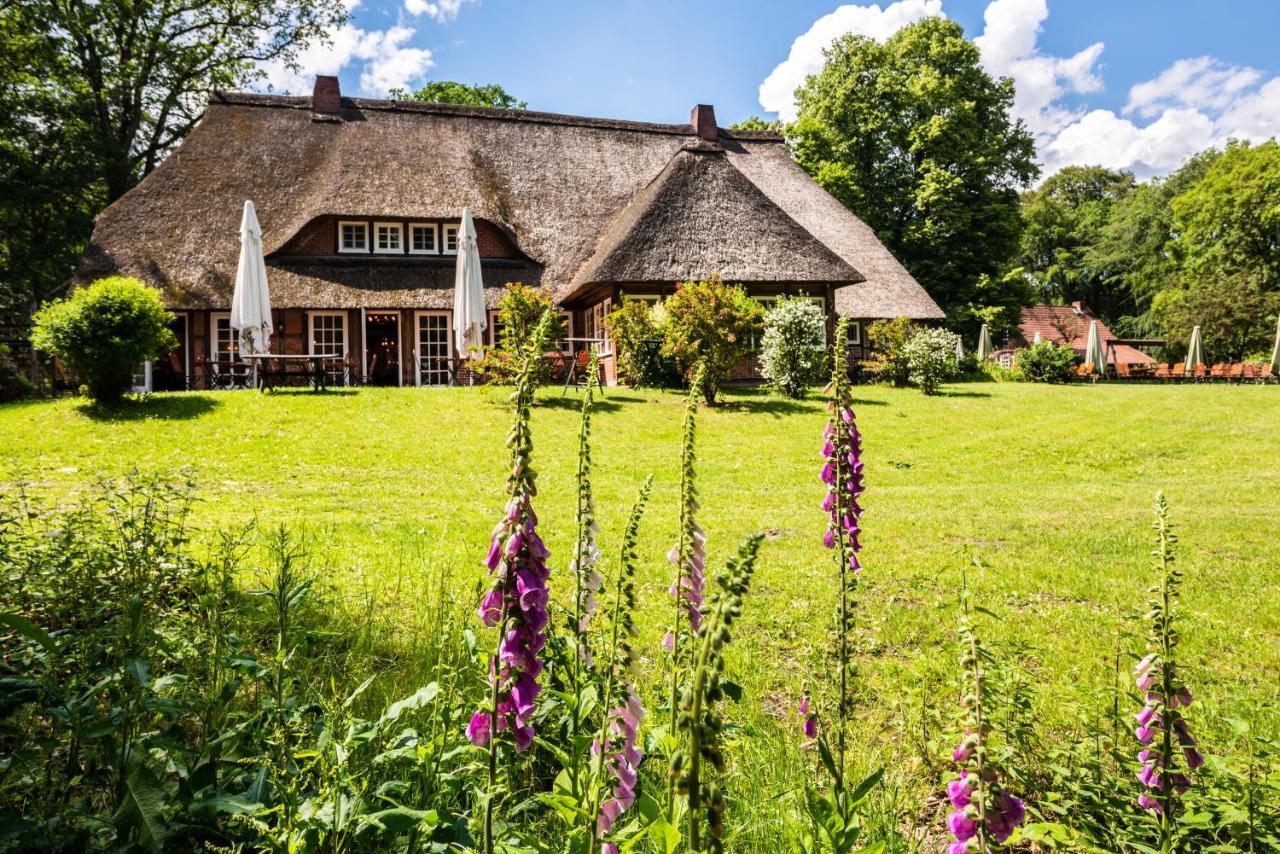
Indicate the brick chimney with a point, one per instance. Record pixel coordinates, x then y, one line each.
703 119
327 96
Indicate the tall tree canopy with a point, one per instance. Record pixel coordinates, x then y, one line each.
96 94
1062 218
450 92
915 137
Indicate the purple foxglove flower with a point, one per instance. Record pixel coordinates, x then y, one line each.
829 538
608 848
958 848
828 474
478 729
1193 757
1144 717
810 728
514 543
1149 803
1149 776
495 554
491 607
1182 696
1144 734
961 825
960 791
829 502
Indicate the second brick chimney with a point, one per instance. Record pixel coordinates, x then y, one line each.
703 119
327 96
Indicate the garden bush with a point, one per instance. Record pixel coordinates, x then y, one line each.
1046 362
888 340
793 349
712 324
637 330
931 358
519 310
104 332
13 382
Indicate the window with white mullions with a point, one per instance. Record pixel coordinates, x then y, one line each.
451 239
353 236
388 238
423 239
328 334
224 340
435 347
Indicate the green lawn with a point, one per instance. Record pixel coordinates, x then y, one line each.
1050 487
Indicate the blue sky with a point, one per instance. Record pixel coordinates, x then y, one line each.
1132 84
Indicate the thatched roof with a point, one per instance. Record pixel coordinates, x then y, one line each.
583 200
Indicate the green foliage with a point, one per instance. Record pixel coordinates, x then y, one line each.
757 123
793 349
466 94
697 716
637 330
13 382
710 323
1063 218
104 331
931 357
519 311
1046 362
888 339
1236 317
916 138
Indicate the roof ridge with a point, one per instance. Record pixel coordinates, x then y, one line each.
303 102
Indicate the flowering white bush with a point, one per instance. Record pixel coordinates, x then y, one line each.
931 353
792 352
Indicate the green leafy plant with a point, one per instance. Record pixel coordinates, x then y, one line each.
1046 362
637 330
519 311
793 349
710 323
104 332
888 339
931 356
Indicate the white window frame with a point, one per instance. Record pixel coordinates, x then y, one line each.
435 238
567 349
399 230
367 235
214 317
491 331
311 333
450 229
854 328
417 342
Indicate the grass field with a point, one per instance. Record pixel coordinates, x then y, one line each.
1050 488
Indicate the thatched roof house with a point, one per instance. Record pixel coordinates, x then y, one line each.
1069 325
359 202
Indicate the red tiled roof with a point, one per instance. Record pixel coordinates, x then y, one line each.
1069 324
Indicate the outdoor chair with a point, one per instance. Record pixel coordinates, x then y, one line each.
1201 372
1122 371
578 374
1235 372
1219 371
1162 371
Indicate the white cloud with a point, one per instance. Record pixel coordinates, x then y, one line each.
389 62
1009 45
1199 83
1102 138
777 92
441 10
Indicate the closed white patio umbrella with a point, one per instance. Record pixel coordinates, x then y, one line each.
984 343
1093 353
469 319
1195 352
959 350
1036 338
251 302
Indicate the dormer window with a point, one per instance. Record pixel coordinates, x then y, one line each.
424 239
388 238
353 236
451 240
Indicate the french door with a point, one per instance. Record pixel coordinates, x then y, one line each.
435 347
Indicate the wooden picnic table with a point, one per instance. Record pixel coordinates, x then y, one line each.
313 368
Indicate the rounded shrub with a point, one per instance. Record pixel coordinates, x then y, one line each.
931 358
1046 362
104 331
792 351
710 323
636 327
